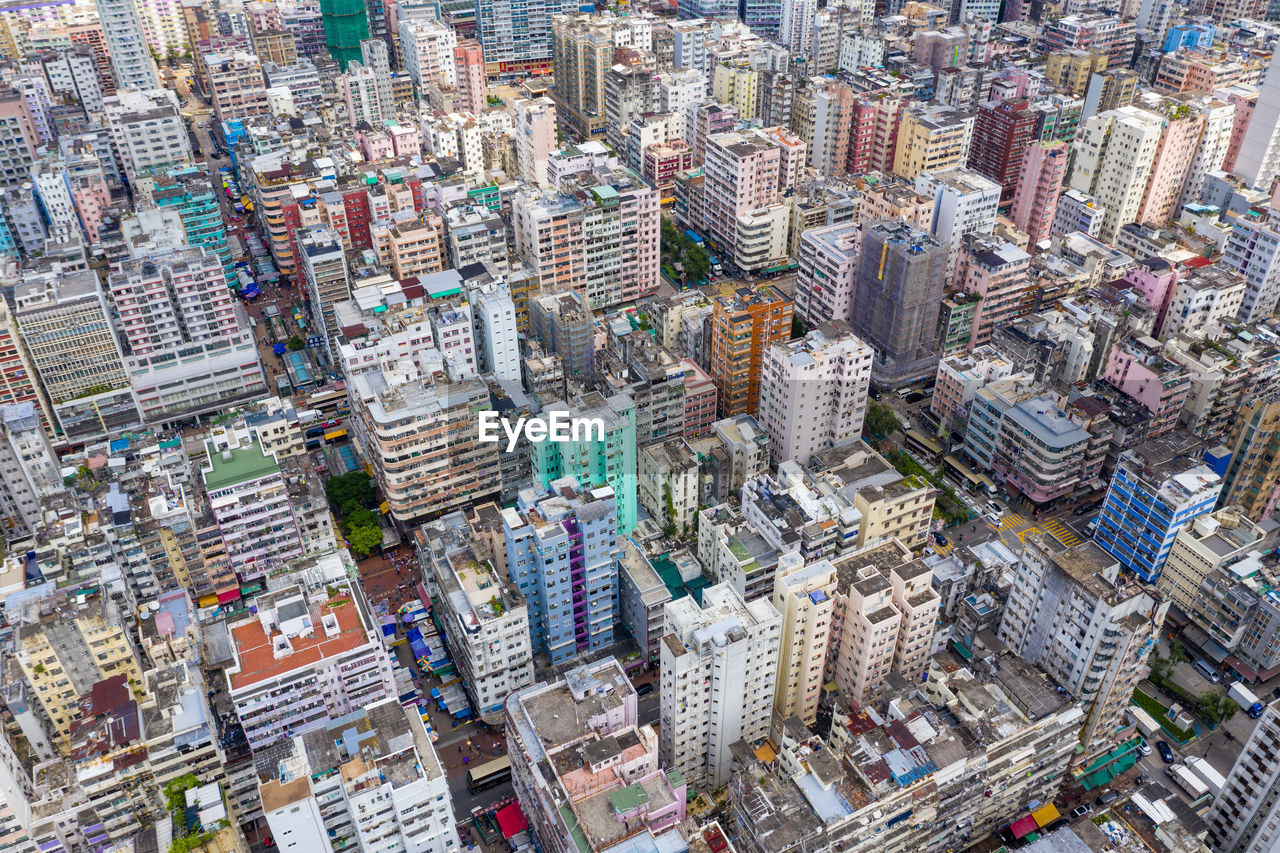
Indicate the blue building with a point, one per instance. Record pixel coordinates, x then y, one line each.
188 191
1157 487
1198 36
563 554
604 457
688 9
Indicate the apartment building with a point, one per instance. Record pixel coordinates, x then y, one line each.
584 770
474 234
147 131
562 554
897 294
596 234
1115 153
1243 818
67 336
719 669
305 656
1002 130
1037 189
1201 547
960 377
323 265
828 263
65 644
1157 487
931 138
803 594
883 621
29 470
486 628
742 214
996 272
1031 443
743 326
535 124
1254 471
964 202
1253 250
18 139
236 84
131 64
643 598
813 392
732 551
250 500
1073 613
187 344
369 778
410 244
670 484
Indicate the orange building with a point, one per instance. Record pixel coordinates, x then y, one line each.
743 325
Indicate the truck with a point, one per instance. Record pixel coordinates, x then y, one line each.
1189 782
1144 721
1211 777
1245 699
694 236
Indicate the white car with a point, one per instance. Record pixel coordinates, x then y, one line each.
994 518
995 509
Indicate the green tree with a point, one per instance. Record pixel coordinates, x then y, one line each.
296 343
350 492
881 420
364 540
360 517
1216 707
697 263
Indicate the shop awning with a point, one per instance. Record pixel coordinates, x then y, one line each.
1022 826
1046 815
511 820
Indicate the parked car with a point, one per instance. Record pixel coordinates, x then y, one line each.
1208 671
644 689
1080 811
1144 748
940 539
1166 754
994 518
995 509
1083 509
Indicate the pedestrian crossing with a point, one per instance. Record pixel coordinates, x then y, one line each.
1011 520
1061 532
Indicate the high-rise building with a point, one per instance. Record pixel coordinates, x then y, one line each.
1002 130
604 457
346 24
18 139
1039 185
582 48
323 264
1254 472
1072 612
535 121
828 268
802 595
188 190
305 657
28 468
964 202
1157 487
1253 250
744 325
931 137
187 344
1113 160
131 62
516 39
995 272
236 85
813 392
795 28
719 670
741 213
1259 157
896 298
562 553
1201 547
468 63
1244 816
148 134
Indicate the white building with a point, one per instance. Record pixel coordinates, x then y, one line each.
719 665
493 316
306 656
1253 250
669 483
28 468
368 781
1245 816
486 624
147 131
1213 295
828 269
49 178
813 392
131 62
674 91
796 26
964 202
1078 211
1215 139
426 52
802 594
1114 154
535 127
1090 627
1259 157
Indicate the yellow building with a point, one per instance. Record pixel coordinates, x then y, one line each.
1254 472
931 138
804 596
78 642
737 83
1072 69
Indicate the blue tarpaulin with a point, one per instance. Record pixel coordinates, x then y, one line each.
278 349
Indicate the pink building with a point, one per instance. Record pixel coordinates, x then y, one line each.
997 272
1035 198
473 93
375 145
1137 368
1244 99
89 193
406 141
1154 278
535 121
699 400
1172 163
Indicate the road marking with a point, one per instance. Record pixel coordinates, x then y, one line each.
1011 520
1062 533
1023 534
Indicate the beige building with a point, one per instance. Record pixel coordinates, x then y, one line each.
931 138
1071 69
892 506
76 641
410 245
885 609
1200 548
668 483
804 596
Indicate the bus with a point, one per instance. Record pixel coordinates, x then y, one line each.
966 477
336 435
918 442
489 775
